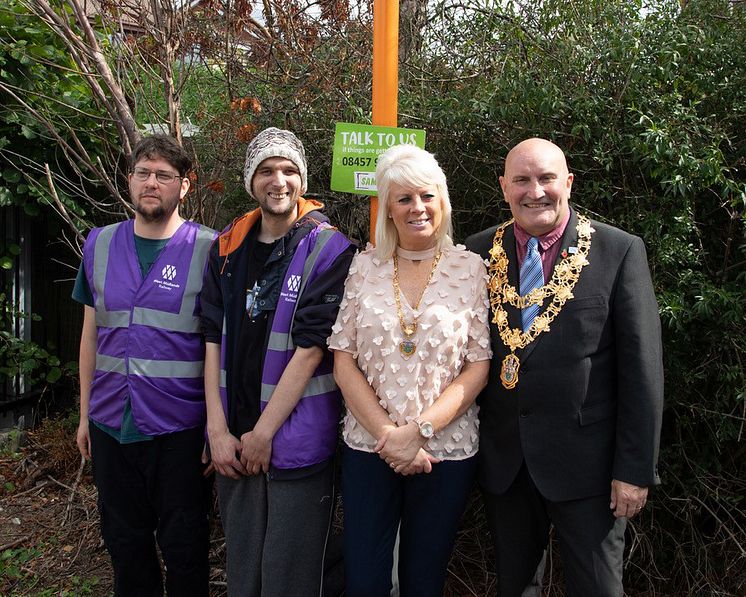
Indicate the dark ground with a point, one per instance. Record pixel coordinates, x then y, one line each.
50 543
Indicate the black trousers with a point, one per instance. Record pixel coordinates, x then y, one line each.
426 509
591 540
148 491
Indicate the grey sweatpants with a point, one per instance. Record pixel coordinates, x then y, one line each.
276 533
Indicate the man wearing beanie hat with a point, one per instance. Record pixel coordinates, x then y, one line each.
271 293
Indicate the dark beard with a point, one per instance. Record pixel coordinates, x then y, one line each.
157 215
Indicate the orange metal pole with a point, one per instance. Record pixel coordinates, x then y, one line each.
385 75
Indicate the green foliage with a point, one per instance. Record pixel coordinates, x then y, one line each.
43 95
12 562
18 357
17 576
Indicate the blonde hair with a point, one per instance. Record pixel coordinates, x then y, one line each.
408 166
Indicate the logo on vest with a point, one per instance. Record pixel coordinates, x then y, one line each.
293 286
294 283
168 274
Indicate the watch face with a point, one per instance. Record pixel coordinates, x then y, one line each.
426 429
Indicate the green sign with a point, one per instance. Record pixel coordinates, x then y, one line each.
356 151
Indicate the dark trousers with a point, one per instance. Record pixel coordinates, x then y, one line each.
276 533
591 540
148 491
426 508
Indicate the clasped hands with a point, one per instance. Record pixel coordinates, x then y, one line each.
232 457
401 448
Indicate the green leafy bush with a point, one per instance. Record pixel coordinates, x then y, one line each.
20 358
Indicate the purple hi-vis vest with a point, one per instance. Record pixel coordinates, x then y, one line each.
149 343
309 435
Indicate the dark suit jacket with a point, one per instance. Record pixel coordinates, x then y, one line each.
587 407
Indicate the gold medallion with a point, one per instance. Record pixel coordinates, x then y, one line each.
407 348
509 371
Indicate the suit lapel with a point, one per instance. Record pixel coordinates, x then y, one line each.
569 239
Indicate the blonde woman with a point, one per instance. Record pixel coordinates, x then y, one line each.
411 354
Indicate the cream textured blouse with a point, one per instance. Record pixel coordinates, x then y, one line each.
453 328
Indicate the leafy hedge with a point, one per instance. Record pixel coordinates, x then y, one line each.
650 106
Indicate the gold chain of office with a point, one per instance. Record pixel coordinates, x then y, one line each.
559 289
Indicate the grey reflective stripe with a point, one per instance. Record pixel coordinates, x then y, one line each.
112 319
104 362
172 322
279 341
324 237
150 368
202 245
223 343
321 384
104 318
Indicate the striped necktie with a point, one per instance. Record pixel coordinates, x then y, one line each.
531 276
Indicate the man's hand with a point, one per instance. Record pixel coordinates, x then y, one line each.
223 450
83 438
626 499
210 468
399 446
256 452
422 463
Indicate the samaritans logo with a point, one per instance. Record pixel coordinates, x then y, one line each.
169 272
294 283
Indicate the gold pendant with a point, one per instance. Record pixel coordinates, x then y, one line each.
509 371
407 348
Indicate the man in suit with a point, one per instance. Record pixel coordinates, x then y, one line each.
570 419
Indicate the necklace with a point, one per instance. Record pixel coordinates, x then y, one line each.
408 347
559 290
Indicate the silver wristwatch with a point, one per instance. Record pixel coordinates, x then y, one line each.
425 427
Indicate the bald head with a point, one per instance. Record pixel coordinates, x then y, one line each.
537 185
535 146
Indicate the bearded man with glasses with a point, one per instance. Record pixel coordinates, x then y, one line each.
142 403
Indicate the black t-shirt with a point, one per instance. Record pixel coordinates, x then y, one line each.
251 345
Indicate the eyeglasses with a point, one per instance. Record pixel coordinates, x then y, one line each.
162 176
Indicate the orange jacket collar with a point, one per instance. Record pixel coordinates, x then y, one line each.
232 238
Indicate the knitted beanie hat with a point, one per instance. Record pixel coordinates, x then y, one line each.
273 143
